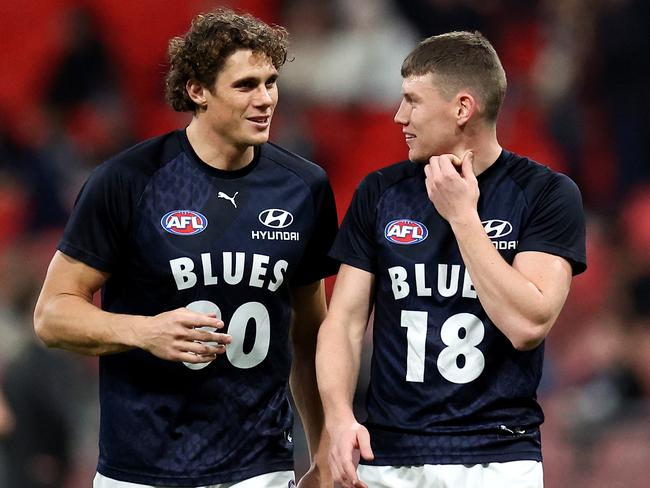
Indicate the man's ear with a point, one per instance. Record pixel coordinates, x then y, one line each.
466 107
196 92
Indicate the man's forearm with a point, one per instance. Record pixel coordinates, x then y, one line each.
306 397
71 322
337 362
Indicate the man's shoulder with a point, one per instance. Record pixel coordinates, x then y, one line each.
524 166
307 170
397 171
290 160
146 156
391 175
531 174
131 169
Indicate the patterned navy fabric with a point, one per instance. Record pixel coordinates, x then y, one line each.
446 385
175 232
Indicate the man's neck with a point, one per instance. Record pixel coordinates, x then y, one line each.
484 145
215 152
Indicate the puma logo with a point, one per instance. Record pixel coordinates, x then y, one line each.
231 199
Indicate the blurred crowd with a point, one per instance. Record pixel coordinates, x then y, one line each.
83 79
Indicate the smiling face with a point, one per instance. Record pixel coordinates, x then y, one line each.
427 118
240 105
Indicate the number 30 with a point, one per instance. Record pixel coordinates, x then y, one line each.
237 329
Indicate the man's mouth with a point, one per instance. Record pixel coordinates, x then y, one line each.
261 121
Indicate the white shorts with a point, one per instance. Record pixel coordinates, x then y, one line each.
278 479
513 474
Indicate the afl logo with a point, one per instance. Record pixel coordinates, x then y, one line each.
276 218
184 222
497 228
405 231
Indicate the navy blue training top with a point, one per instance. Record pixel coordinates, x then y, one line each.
446 385
175 232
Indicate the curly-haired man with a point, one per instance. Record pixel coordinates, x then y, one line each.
205 245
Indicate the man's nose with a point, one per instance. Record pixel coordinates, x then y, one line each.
401 116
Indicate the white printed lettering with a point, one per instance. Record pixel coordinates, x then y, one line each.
278 274
468 286
182 272
259 270
208 277
448 281
229 276
233 267
422 289
443 271
398 282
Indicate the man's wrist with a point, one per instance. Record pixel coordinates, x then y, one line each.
341 417
465 221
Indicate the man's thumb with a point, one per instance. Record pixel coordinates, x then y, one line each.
365 450
468 163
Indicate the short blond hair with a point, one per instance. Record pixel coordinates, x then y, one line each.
461 60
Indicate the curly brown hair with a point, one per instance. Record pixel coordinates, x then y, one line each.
201 53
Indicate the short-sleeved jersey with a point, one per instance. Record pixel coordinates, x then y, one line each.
175 232
446 386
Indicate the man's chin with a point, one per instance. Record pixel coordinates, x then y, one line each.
258 139
417 157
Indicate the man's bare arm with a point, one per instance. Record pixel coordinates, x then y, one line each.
523 300
309 307
66 317
338 358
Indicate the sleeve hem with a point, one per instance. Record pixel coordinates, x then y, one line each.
577 261
353 261
85 257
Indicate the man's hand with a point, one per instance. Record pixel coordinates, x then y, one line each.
452 186
346 446
178 335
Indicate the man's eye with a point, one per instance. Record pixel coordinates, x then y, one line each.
246 85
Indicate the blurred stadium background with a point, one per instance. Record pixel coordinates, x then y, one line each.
82 79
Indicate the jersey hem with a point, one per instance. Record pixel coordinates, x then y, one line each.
454 459
175 481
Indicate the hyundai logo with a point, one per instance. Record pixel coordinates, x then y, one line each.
276 218
497 228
